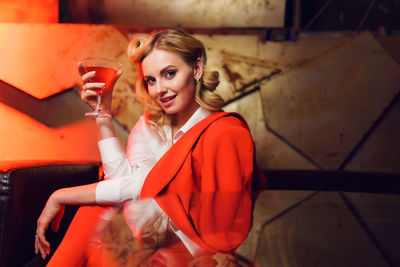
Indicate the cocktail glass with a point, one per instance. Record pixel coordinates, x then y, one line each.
107 71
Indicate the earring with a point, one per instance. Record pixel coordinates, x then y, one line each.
197 80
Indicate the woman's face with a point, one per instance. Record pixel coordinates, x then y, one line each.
171 82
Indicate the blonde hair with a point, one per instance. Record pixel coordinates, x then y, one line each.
190 49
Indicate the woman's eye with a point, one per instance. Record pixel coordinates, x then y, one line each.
151 81
170 74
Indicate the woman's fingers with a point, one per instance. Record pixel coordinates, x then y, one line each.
39 248
90 90
88 75
42 246
88 95
36 246
50 211
93 86
87 85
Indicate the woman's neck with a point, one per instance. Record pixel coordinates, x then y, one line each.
178 120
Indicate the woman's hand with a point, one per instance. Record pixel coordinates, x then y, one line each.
52 213
89 92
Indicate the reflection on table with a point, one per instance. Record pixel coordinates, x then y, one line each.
288 228
175 230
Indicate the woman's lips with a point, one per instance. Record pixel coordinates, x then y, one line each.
167 101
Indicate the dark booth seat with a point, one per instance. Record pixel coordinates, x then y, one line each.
24 190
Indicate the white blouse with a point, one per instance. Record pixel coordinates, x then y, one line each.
124 174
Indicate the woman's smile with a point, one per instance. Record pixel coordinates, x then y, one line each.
170 82
167 101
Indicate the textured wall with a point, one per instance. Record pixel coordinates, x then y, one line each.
322 102
39 62
189 13
325 107
29 11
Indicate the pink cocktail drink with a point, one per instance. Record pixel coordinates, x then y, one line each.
108 76
106 71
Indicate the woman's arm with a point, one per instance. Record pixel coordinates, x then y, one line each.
105 128
77 195
125 173
127 185
54 210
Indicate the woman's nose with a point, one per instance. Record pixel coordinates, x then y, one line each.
161 88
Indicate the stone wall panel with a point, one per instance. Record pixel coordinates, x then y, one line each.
321 113
235 57
307 47
325 107
195 13
380 152
269 204
380 213
391 45
319 232
271 152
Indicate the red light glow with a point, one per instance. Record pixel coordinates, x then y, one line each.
29 11
25 141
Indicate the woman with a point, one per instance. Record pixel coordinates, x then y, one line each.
183 144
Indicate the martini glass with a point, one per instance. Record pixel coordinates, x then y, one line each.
106 71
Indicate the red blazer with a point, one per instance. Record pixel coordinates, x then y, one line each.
204 182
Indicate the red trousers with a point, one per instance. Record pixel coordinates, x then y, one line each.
82 246
79 246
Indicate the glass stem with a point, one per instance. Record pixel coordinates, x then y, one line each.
98 101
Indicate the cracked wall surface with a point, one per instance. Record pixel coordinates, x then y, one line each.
321 102
194 13
325 107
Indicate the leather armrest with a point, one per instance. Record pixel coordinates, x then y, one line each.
23 194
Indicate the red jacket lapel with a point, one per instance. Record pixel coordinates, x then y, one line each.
160 175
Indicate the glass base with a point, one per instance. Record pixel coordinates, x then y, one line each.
97 114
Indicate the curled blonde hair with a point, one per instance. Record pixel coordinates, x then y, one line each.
190 49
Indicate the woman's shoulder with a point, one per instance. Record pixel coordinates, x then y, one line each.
229 120
228 124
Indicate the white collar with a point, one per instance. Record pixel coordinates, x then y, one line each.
197 116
